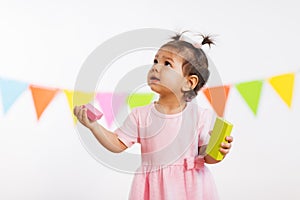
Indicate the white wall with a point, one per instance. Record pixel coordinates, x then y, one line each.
46 42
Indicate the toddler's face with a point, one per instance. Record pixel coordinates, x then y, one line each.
166 75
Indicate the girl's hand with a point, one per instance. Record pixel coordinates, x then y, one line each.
225 147
81 113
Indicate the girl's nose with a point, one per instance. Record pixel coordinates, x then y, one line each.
156 67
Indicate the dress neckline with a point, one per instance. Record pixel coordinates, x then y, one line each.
163 115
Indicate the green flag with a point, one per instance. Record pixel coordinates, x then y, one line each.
140 99
251 92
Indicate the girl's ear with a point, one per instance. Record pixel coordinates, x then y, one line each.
193 79
191 82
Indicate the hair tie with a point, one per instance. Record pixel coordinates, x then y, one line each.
197 45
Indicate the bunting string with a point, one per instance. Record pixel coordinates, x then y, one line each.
250 92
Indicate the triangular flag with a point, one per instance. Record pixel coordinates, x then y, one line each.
284 85
217 96
41 98
77 98
139 99
251 92
110 104
10 91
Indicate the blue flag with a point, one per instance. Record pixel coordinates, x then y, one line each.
10 91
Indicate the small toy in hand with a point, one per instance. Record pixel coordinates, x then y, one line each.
92 112
222 128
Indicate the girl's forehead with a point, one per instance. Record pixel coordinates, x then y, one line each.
169 52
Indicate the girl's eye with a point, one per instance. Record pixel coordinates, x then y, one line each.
168 64
155 61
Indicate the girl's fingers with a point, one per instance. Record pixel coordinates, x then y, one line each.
84 115
224 151
79 112
226 145
76 110
229 139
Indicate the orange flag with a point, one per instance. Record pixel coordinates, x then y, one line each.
217 96
41 98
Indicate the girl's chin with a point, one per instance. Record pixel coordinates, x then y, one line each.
155 87
159 89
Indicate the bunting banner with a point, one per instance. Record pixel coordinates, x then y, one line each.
110 103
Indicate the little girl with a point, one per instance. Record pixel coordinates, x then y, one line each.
173 131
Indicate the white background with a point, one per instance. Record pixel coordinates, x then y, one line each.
46 42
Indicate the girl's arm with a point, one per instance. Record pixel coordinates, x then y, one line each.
108 139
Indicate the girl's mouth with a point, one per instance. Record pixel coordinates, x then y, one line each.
154 79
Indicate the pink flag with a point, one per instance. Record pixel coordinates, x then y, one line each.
110 104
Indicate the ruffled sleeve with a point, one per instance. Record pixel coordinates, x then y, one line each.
128 133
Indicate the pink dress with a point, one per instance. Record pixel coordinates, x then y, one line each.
171 168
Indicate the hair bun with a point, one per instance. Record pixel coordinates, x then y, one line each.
207 40
176 37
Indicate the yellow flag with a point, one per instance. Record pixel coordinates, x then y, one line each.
77 98
284 85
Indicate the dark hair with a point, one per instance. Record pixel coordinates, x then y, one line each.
196 62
